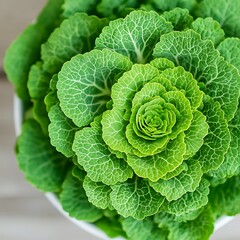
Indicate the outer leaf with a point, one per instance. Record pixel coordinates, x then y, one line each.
232 158
203 61
24 51
75 35
163 5
209 29
40 114
75 201
115 8
190 201
176 172
156 166
196 133
84 85
38 81
95 157
180 18
61 131
42 165
142 230
97 193
51 98
230 50
216 143
186 181
135 36
70 7
199 229
114 231
135 198
225 198
229 18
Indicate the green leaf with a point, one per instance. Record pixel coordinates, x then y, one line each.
184 81
95 157
84 85
130 83
199 57
163 5
70 7
38 81
115 8
97 193
61 131
162 63
75 35
135 198
232 159
180 18
176 171
24 51
74 201
216 143
42 165
224 11
114 231
198 229
40 114
142 230
164 219
225 198
114 127
190 201
135 36
51 98
209 29
156 166
186 181
196 133
230 50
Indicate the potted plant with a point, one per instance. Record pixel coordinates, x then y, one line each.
130 113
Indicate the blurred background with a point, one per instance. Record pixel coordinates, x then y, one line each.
25 213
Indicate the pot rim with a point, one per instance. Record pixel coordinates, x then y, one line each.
52 198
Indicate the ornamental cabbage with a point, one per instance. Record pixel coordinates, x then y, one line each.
132 113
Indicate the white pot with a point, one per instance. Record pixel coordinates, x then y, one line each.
88 227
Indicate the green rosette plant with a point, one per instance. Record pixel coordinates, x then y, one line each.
132 113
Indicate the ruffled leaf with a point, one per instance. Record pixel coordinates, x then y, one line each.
230 50
95 157
61 131
209 29
42 165
216 143
190 201
135 198
186 181
200 58
156 166
135 36
97 193
74 201
84 84
70 39
224 11
70 7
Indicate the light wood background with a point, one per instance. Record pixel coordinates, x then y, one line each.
25 213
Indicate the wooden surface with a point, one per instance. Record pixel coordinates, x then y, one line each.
25 213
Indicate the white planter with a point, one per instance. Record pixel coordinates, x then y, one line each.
88 227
